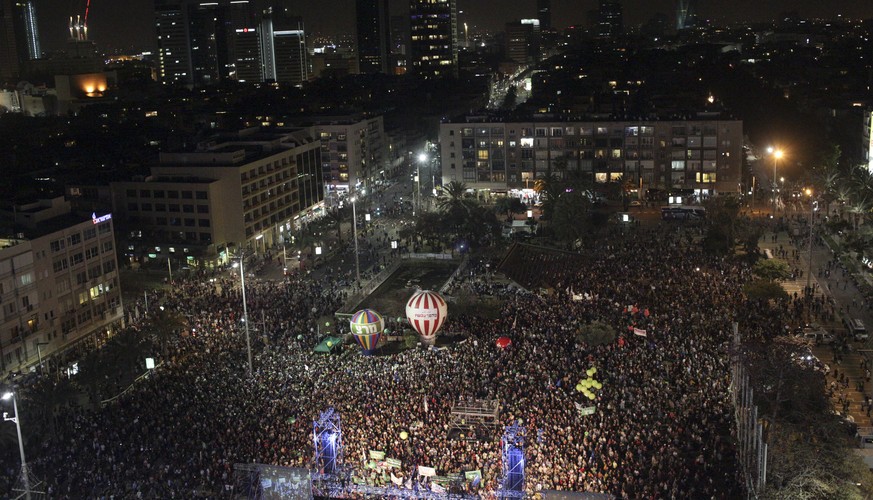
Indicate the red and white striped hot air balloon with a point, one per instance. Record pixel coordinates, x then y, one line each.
426 312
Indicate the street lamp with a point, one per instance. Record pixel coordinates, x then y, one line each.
811 214
39 353
777 155
355 236
242 278
421 159
25 475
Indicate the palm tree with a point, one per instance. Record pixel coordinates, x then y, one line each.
338 216
453 196
843 195
549 189
509 205
859 207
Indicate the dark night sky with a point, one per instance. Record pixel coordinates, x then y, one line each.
127 24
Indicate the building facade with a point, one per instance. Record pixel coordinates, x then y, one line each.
544 14
374 40
433 27
353 152
58 283
610 19
240 191
522 39
700 155
205 43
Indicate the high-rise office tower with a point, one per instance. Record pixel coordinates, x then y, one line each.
609 23
399 44
686 14
268 48
283 47
174 55
208 43
522 40
374 40
289 41
19 36
244 47
544 14
433 44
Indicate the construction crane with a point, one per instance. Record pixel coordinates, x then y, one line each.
79 24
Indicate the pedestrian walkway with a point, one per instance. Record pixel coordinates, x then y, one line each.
849 376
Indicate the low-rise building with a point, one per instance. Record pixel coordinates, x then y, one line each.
58 282
245 190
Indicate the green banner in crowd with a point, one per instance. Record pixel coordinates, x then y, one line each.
588 410
471 475
377 455
393 462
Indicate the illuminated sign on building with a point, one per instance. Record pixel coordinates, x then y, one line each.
102 218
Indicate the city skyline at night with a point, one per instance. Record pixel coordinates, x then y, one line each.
129 25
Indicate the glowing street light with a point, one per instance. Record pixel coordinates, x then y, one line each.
355 236
242 278
777 155
422 157
25 474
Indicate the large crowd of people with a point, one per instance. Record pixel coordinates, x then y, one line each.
662 425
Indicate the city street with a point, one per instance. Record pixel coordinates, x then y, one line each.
845 295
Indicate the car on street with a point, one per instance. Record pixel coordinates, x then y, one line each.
816 334
856 328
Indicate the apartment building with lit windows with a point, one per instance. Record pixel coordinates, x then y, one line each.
353 151
704 156
58 282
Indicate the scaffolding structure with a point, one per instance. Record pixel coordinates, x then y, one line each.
327 440
471 419
512 451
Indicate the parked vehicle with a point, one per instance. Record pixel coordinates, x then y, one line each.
856 328
816 334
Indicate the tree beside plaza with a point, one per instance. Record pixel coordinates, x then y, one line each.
771 269
815 465
462 218
809 445
509 205
335 217
429 226
723 224
595 334
453 197
765 291
826 176
566 205
570 221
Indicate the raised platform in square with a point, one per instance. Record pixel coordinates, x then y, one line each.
473 419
